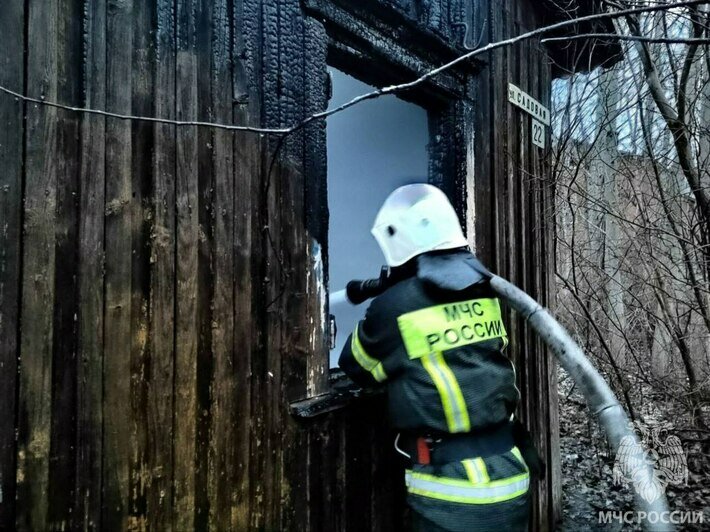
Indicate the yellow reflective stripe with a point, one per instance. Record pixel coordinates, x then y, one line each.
476 470
457 419
464 491
471 471
464 499
461 412
452 325
482 470
441 387
460 482
519 456
379 373
368 363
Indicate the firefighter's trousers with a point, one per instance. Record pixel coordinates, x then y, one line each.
479 494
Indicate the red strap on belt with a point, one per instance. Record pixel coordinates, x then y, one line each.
423 456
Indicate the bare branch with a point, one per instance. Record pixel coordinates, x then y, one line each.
679 130
615 36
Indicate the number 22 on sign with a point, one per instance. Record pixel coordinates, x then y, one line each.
538 134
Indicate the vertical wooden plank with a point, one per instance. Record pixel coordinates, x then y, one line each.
526 258
469 189
222 458
498 124
38 277
519 228
160 402
316 200
142 475
272 377
287 353
514 226
252 33
506 145
462 158
91 265
323 469
539 420
119 428
304 334
298 329
12 24
205 259
247 160
131 231
142 181
342 484
260 439
319 473
359 488
62 458
540 222
511 179
547 283
246 155
186 318
486 210
536 416
268 372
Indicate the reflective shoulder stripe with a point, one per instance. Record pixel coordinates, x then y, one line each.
464 491
367 362
452 325
455 411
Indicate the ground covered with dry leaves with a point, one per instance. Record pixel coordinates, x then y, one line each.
587 467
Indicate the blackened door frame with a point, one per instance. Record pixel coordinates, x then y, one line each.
365 39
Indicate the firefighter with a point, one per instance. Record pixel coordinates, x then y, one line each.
435 338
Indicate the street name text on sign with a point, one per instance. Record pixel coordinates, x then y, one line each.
527 103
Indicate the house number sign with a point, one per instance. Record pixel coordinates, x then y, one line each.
540 114
538 134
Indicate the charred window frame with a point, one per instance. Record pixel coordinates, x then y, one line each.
381 47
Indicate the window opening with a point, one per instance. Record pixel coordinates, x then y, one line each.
372 149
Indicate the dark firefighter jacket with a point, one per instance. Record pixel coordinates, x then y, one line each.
436 340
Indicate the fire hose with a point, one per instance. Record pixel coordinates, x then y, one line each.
600 399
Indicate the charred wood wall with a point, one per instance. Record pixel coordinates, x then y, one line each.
514 219
162 287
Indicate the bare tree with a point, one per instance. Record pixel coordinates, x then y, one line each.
631 153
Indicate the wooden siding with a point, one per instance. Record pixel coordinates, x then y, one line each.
162 288
513 217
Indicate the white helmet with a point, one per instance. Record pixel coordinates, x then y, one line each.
415 219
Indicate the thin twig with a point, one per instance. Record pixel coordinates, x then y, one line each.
616 36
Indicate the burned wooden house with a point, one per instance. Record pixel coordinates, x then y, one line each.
164 332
